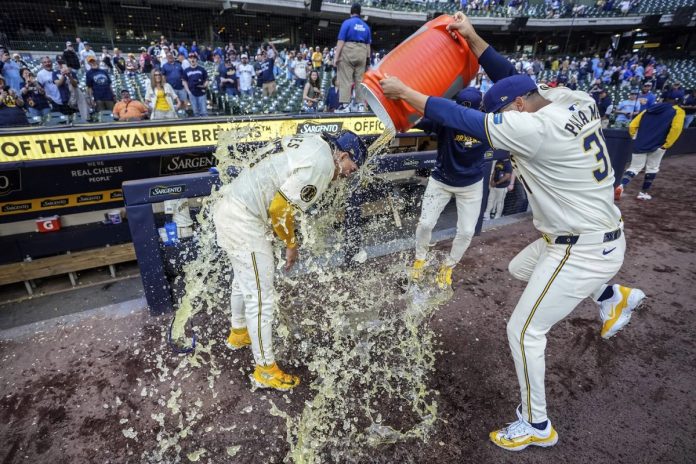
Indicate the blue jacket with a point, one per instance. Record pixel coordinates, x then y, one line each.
459 156
658 126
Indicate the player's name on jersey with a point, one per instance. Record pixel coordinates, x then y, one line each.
60 201
40 146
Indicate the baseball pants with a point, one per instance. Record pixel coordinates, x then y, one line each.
436 197
559 277
650 161
496 202
252 299
351 68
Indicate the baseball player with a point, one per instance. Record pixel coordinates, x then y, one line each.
654 131
288 176
499 185
557 148
458 173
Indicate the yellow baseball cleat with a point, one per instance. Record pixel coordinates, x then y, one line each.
272 377
417 271
616 311
520 434
238 338
444 277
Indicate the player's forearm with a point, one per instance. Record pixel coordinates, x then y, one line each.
477 45
496 66
448 113
414 98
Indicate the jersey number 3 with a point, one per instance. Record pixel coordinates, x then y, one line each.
595 143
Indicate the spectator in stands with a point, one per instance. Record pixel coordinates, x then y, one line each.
119 61
317 58
604 104
352 55
128 109
194 49
625 7
572 83
11 104
661 79
301 72
257 70
132 65
161 97
676 91
246 76
229 48
45 78
70 57
290 62
328 60
311 96
182 49
267 75
185 64
80 46
145 61
174 74
98 85
17 58
34 96
627 109
105 61
205 54
229 81
332 102
86 53
10 72
646 98
196 83
596 88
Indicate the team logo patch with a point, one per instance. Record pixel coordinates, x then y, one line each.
308 193
503 98
498 118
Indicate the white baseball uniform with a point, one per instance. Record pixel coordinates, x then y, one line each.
561 158
300 167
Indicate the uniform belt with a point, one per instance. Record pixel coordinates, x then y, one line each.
584 239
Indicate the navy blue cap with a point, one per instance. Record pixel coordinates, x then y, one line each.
506 90
672 95
349 142
469 95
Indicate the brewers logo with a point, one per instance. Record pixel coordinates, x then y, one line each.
308 193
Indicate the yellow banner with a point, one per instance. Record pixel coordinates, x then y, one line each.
112 141
60 201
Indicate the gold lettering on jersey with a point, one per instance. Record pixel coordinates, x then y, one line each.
466 139
580 119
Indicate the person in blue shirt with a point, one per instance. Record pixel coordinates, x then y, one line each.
352 55
174 74
626 110
196 83
267 76
458 173
10 71
99 86
34 96
646 98
229 81
331 103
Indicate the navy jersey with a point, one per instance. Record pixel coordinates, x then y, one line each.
195 77
501 168
459 156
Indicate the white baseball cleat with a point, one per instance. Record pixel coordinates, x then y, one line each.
617 310
520 434
643 196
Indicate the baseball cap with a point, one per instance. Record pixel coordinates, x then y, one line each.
192 55
91 58
349 142
469 95
647 84
244 55
503 92
672 95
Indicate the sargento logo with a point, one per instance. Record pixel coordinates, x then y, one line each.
162 190
312 127
89 198
16 207
113 195
54 202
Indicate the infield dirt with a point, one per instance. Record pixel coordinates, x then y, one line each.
67 395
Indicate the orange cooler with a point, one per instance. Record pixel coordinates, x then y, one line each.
430 61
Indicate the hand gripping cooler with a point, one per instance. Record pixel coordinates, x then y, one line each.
431 61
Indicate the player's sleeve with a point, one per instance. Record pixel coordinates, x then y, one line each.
427 125
449 114
496 66
519 133
282 216
507 167
676 129
635 124
305 185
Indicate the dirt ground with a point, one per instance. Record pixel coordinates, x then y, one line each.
67 395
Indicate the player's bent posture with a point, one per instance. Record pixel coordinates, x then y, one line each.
558 150
458 172
654 130
291 175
